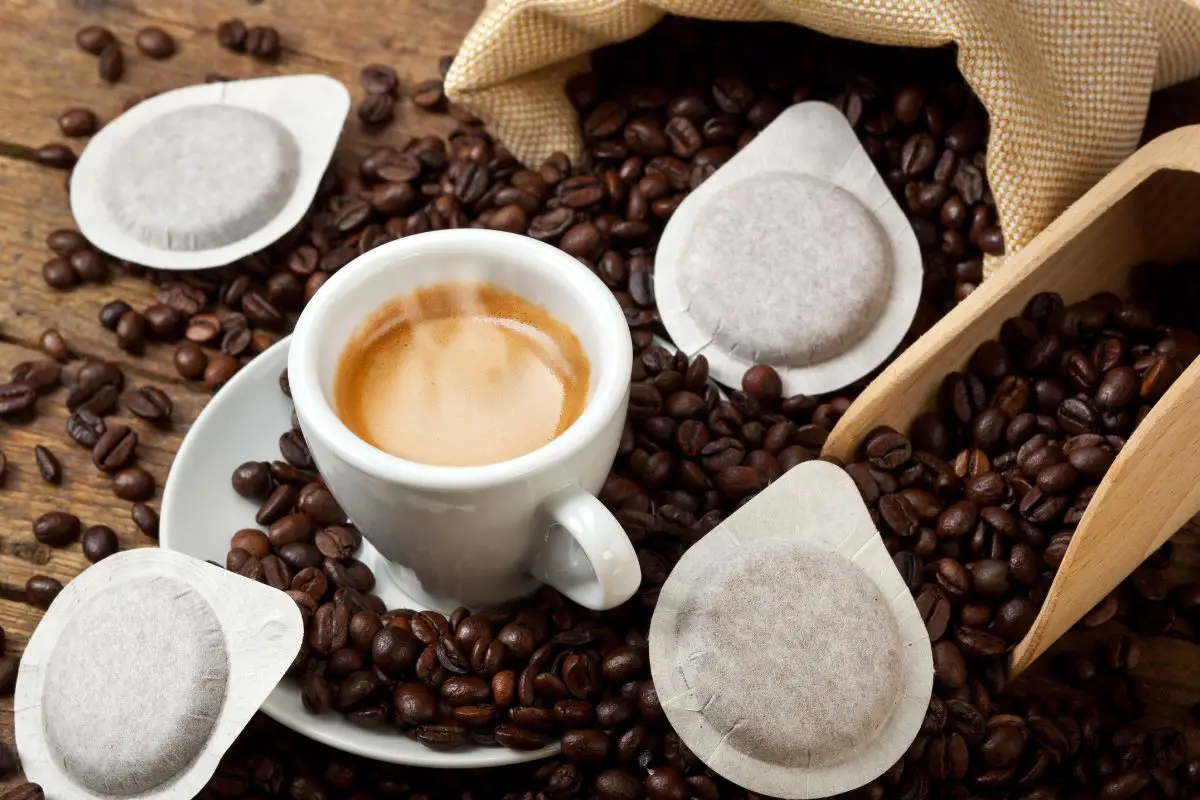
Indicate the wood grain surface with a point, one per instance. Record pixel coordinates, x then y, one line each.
42 73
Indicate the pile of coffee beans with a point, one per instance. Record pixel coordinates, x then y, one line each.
984 493
976 505
654 130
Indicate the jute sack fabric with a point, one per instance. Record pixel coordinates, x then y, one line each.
1066 83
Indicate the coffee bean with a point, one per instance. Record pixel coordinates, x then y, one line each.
979 644
115 448
111 64
99 542
93 39
76 122
190 361
378 79
56 528
155 43
219 370
24 791
40 590
133 484
294 449
585 745
395 650
518 738
16 399
989 577
112 312
131 332
85 428
376 109
231 34
59 274
96 395
287 529
41 375
429 95
949 668
262 42
48 465
146 519
888 450
918 154
149 403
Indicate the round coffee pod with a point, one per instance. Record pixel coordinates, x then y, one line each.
787 651
143 672
204 175
793 254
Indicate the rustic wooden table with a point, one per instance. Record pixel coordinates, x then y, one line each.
42 73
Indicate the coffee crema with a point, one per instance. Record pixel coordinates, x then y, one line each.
461 374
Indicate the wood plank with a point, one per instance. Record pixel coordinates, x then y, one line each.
44 73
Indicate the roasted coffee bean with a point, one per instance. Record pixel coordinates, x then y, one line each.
155 43
231 34
394 649
99 542
133 484
318 502
333 542
149 403
40 590
16 399
888 450
56 528
190 361
111 64
24 791
376 109
48 465
262 42
219 370
585 744
58 272
93 39
145 518
429 95
252 480
295 451
115 448
519 738
284 530
66 241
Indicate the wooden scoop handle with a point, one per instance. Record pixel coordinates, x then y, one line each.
1143 210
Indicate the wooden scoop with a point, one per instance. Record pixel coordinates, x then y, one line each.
1146 209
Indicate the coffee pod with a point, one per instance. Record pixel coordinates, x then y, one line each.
204 175
793 254
144 671
786 650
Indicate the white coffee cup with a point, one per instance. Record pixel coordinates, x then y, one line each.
477 535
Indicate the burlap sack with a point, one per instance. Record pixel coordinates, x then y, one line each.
1066 82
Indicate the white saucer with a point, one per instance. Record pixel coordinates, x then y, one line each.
201 511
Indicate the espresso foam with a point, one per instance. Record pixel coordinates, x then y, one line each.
461 375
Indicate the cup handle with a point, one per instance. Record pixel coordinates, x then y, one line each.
586 554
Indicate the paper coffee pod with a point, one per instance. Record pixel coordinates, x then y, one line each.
144 671
786 650
202 176
793 254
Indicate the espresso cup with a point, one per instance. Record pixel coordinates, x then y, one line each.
477 535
